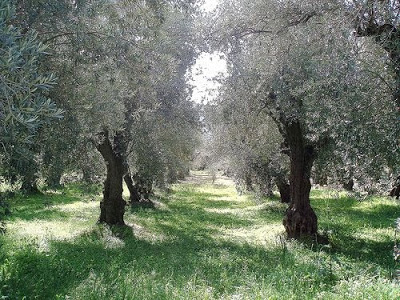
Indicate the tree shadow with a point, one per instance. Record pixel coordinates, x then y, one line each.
70 263
40 207
191 247
352 231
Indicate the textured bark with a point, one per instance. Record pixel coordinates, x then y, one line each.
300 219
348 185
284 189
133 190
139 196
29 186
112 207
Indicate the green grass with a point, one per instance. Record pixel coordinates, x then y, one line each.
202 242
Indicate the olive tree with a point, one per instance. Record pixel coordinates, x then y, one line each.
311 80
25 105
122 66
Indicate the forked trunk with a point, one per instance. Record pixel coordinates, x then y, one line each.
300 219
112 207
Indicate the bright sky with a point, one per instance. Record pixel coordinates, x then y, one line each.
209 5
207 68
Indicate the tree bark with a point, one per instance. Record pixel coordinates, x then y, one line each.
29 186
133 190
300 219
139 195
112 207
284 189
348 185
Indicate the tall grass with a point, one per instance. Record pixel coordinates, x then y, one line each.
203 241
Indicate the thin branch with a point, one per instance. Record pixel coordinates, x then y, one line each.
74 33
302 20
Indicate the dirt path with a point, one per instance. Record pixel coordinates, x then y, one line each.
205 177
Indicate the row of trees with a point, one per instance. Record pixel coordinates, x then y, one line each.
312 90
121 85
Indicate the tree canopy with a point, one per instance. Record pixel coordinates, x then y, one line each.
101 90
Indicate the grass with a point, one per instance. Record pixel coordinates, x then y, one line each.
202 242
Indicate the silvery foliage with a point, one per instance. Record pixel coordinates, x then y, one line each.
319 72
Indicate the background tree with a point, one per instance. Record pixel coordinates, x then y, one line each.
25 105
309 77
381 20
123 64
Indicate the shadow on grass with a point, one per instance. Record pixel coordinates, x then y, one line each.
69 264
189 251
40 206
354 228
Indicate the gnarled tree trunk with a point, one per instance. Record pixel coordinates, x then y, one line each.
112 207
29 185
348 185
139 195
133 190
300 219
284 189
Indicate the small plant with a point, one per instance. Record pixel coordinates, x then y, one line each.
4 209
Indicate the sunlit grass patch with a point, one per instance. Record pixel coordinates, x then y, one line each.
40 232
260 235
202 241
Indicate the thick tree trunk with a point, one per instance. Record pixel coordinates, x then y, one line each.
112 208
29 185
139 195
54 179
284 189
300 219
29 176
248 183
133 190
348 185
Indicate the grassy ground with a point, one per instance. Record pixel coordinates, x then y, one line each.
202 242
